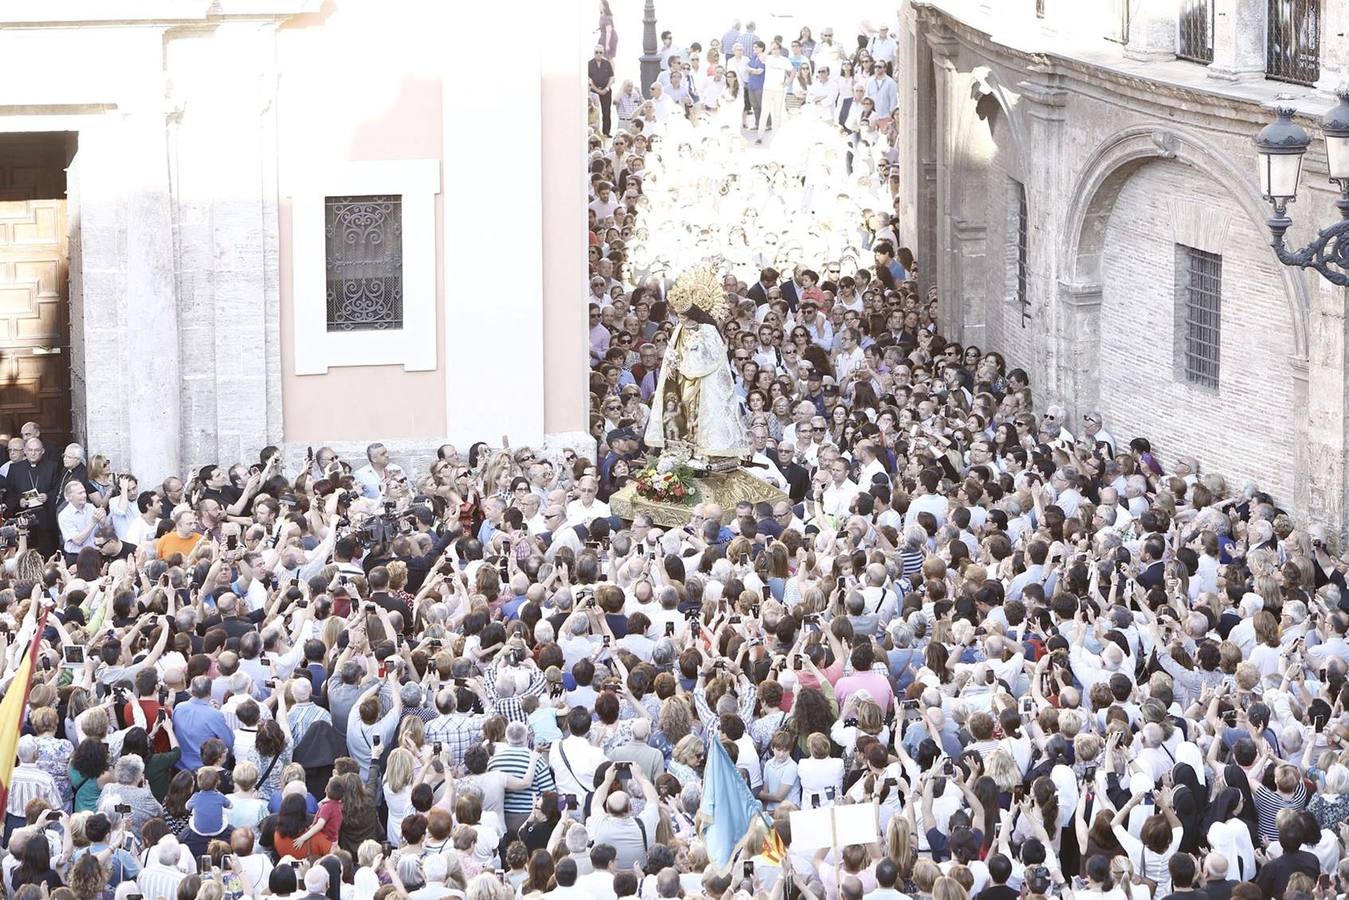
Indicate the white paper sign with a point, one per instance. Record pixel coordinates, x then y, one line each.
853 823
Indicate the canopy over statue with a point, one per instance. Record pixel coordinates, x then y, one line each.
695 402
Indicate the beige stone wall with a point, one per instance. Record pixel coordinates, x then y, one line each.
1124 156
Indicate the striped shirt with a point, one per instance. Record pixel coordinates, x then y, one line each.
158 881
514 761
29 783
1268 805
302 715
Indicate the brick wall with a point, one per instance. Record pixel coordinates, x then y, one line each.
1242 429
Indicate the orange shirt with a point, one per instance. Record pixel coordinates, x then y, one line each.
171 543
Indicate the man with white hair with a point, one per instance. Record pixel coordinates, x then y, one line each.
28 783
514 759
305 712
161 877
435 870
1093 669
1243 633
316 884
639 753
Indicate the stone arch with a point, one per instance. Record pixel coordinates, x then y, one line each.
1112 164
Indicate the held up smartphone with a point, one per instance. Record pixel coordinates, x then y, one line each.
669 629
437 747
948 767
205 865
798 663
122 809
374 740
749 868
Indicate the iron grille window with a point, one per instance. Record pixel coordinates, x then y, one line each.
1202 300
1293 52
1022 266
365 263
1196 31
1119 21
1039 9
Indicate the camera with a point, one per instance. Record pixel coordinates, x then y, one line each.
948 767
17 525
122 809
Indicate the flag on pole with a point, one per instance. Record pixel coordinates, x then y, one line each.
727 807
13 708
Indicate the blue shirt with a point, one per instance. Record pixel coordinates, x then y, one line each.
208 812
752 81
196 722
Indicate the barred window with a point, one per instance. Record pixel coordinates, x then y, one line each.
1196 31
364 242
1293 48
1201 284
1117 21
1021 268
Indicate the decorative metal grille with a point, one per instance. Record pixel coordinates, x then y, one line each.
1196 31
1203 297
365 263
1293 52
1119 20
1022 266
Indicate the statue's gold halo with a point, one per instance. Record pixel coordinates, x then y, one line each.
700 287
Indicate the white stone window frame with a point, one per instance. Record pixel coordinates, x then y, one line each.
316 349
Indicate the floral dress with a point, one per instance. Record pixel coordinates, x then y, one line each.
53 757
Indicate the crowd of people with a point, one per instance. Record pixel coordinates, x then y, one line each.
1053 664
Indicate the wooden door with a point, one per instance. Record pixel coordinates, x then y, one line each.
34 317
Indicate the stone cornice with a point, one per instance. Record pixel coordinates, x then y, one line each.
68 13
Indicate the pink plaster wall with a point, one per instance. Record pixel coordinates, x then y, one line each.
345 97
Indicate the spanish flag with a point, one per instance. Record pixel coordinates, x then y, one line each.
13 710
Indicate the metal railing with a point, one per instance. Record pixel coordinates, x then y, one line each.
1196 31
1293 50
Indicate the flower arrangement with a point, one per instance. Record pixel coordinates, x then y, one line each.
668 480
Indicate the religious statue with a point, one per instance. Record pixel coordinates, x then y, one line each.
695 398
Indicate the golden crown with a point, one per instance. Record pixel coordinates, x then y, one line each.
700 287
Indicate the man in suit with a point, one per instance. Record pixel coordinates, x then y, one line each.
768 278
792 288
797 475
1153 571
1216 883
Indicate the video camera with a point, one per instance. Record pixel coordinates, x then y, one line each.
13 527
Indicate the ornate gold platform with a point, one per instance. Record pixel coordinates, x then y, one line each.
725 489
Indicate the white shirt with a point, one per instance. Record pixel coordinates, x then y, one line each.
838 498
578 514
577 774
933 503
777 71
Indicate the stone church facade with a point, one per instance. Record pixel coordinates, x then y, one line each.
1084 193
182 184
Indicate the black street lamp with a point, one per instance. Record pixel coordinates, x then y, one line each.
650 50
1280 146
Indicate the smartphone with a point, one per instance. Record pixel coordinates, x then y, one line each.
162 714
205 865
374 740
1027 706
271 684
798 663
562 802
461 682
606 640
1018 793
122 809
232 542
73 654
572 801
1324 675
948 767
908 704
749 868
734 620
437 747
669 629
370 609
829 792
1089 773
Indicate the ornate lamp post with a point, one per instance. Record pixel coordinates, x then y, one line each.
1280 146
650 50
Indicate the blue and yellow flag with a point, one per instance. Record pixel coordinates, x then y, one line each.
728 806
